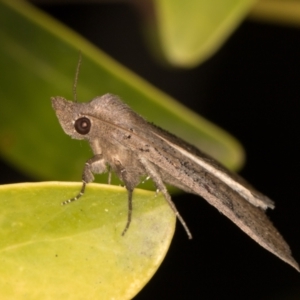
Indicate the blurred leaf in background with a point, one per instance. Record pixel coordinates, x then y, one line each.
39 57
190 32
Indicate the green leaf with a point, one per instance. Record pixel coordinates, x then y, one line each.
49 251
285 12
191 31
38 58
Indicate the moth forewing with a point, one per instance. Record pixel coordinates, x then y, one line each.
247 192
182 169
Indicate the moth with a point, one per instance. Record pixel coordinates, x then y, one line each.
124 142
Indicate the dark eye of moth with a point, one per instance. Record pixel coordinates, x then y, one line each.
83 125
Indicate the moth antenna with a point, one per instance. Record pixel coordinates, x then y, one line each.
76 77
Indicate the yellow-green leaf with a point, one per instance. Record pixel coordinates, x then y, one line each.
191 31
49 251
277 11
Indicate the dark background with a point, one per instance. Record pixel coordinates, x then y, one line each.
251 89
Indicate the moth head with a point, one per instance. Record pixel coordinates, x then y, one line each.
90 120
70 117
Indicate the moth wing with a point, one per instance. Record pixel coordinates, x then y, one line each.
184 166
199 158
191 176
252 220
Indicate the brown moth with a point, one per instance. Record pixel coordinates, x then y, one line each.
124 142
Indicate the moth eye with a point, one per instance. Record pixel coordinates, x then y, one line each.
83 125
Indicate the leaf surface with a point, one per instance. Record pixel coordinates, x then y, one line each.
49 251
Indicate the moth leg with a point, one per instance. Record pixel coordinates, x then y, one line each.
109 175
161 187
96 165
157 191
129 215
130 181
